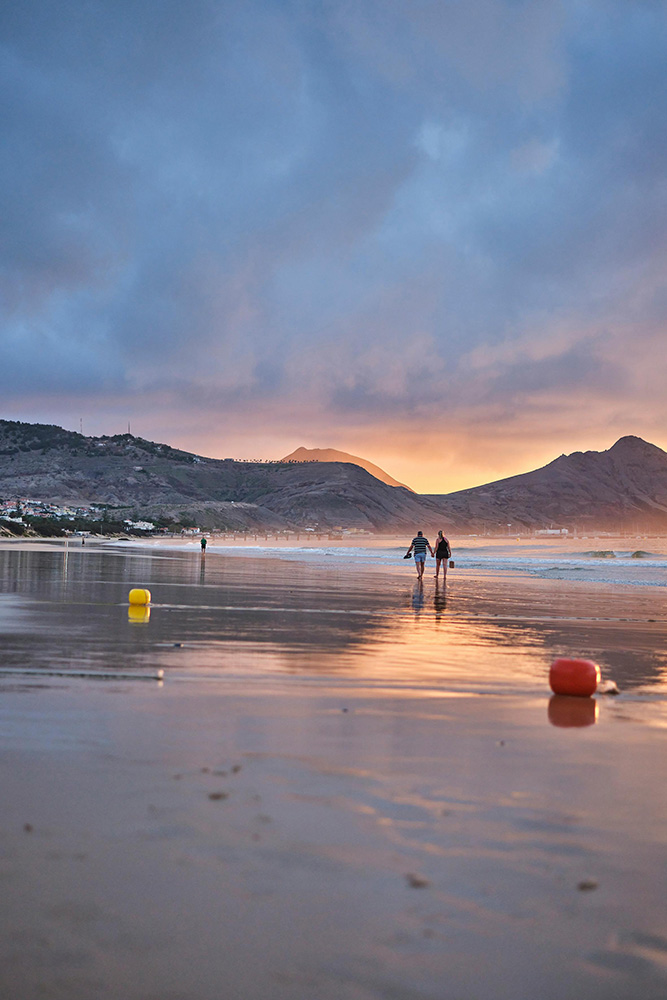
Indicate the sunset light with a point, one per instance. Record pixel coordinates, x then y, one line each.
428 234
333 499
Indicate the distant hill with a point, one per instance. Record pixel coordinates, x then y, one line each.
331 455
624 488
147 480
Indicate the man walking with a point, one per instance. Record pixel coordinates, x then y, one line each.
419 545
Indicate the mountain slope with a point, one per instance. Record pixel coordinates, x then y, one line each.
624 488
621 488
332 455
39 461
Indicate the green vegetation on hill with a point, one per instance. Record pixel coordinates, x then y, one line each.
58 527
16 436
14 527
123 444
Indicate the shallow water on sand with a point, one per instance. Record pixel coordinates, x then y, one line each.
347 787
245 617
638 561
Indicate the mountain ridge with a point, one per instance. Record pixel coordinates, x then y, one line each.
148 479
334 455
626 484
622 488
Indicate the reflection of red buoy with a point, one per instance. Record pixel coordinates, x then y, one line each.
567 713
577 677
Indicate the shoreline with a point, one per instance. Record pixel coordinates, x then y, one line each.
557 562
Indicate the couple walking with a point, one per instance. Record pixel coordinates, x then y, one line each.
419 545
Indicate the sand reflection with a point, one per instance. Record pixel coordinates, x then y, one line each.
568 712
263 617
345 788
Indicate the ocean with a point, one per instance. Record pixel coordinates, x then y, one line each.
636 561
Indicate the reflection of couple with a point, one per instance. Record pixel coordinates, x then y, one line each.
439 598
419 545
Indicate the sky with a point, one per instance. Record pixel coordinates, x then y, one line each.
428 232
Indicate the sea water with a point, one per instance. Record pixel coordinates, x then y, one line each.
632 561
353 613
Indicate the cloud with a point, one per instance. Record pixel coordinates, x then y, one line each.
362 219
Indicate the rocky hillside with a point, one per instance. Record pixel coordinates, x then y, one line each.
624 488
149 480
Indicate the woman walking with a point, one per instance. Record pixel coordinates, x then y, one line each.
442 554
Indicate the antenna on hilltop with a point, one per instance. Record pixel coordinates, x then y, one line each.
128 427
81 425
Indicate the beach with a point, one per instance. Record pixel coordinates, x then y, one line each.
345 787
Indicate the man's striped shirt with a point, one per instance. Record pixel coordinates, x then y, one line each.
419 544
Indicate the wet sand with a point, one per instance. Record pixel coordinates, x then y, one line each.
345 787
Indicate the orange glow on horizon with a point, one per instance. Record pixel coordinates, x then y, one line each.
454 463
430 456
453 466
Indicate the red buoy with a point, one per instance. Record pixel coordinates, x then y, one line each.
577 677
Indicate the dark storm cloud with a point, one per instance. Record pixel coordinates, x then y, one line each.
226 204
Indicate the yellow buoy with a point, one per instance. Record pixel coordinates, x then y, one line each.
138 614
139 595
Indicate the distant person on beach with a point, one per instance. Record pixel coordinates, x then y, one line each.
443 552
419 545
203 544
